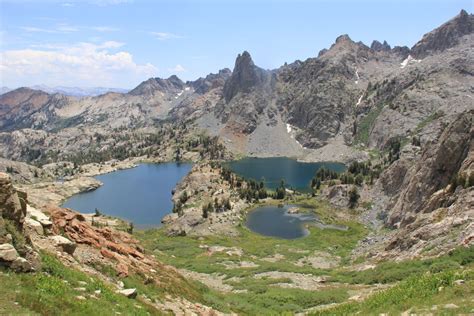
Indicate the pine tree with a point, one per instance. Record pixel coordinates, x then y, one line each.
353 197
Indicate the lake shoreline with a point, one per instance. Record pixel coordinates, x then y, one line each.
54 192
142 195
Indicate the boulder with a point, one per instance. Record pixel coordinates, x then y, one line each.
32 226
8 253
64 244
169 218
33 258
337 194
451 306
10 205
459 282
130 293
39 216
21 265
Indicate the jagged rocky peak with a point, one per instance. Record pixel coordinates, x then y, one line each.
402 51
245 76
345 41
445 36
322 52
174 81
150 86
211 81
343 45
341 41
378 47
344 38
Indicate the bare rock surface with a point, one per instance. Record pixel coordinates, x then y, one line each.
8 253
214 281
437 165
301 281
204 185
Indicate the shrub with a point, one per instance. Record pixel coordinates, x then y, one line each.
353 197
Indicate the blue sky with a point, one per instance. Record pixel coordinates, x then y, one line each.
119 43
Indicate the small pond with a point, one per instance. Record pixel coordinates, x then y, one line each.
277 221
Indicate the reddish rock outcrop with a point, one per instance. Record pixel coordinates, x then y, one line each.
107 246
111 243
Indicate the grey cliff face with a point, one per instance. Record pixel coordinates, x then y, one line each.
245 76
211 81
377 46
445 36
438 163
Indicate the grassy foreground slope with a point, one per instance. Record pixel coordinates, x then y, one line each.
59 290
447 293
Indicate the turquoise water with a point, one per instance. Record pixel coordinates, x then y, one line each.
141 194
296 174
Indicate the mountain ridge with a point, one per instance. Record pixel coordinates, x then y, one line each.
249 100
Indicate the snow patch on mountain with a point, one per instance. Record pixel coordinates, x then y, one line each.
408 60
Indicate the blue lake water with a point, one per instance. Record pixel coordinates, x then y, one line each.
141 194
296 174
274 221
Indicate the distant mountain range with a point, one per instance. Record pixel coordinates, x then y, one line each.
350 93
71 91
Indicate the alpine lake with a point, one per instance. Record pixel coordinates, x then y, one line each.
143 194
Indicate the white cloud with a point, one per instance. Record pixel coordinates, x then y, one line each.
64 28
81 64
163 36
72 3
60 28
104 28
177 68
32 29
109 2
